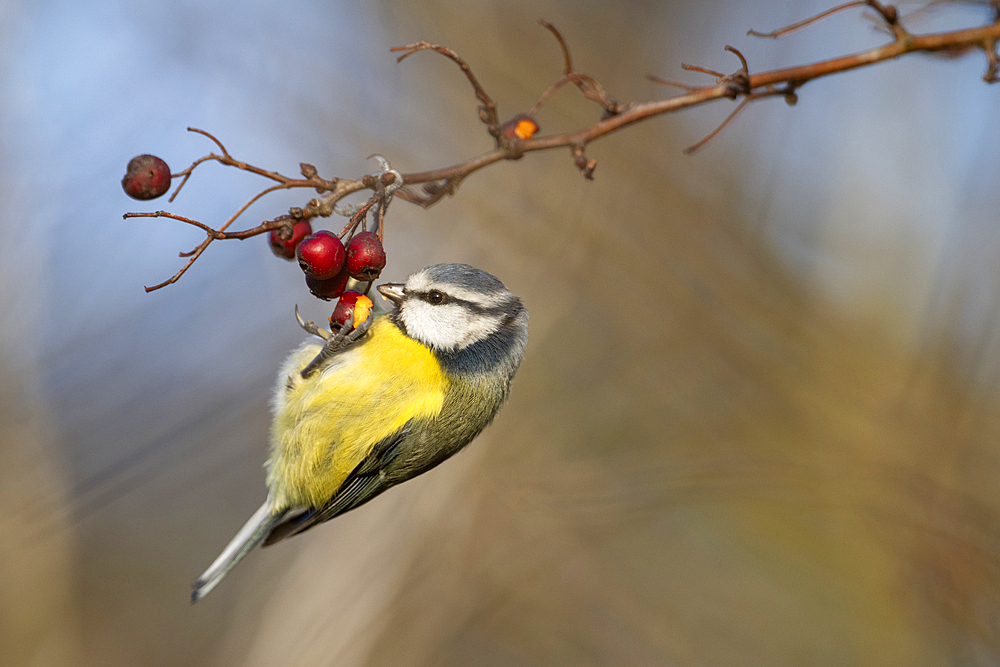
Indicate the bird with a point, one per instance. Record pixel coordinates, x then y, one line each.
382 402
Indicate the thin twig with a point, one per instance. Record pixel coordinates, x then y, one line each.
568 62
212 137
243 208
673 84
489 106
589 86
888 13
358 216
775 34
703 70
187 265
546 94
739 107
187 172
788 93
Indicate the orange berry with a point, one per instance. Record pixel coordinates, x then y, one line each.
521 126
351 301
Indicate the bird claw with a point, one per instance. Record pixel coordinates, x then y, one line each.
311 327
347 335
350 333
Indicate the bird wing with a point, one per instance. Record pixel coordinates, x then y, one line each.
364 483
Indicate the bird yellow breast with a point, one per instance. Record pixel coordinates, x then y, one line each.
325 425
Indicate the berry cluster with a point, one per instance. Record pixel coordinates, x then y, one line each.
327 264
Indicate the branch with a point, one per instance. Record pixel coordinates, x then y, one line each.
512 144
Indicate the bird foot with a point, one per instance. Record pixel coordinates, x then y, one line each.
345 336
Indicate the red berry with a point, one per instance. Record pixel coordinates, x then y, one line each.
349 304
321 255
365 256
330 288
286 247
146 177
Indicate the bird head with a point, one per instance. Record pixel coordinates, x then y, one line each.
451 307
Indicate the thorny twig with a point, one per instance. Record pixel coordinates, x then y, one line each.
438 183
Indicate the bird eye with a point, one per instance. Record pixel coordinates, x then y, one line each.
435 297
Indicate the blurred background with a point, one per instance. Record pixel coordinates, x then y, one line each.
757 419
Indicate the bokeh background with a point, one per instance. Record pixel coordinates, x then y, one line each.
757 419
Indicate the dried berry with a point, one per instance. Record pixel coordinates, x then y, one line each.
146 177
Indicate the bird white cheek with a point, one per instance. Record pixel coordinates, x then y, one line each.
447 327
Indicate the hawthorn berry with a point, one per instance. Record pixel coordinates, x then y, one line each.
521 126
351 302
329 288
321 255
146 177
365 256
286 247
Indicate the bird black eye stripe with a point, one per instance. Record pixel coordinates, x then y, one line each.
445 298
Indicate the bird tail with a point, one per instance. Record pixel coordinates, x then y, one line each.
251 534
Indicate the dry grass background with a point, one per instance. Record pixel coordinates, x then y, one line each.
756 422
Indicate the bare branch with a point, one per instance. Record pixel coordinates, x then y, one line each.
442 182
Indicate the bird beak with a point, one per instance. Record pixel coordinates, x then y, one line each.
392 291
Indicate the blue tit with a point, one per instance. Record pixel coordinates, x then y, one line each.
391 400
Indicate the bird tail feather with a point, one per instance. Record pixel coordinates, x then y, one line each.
251 534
